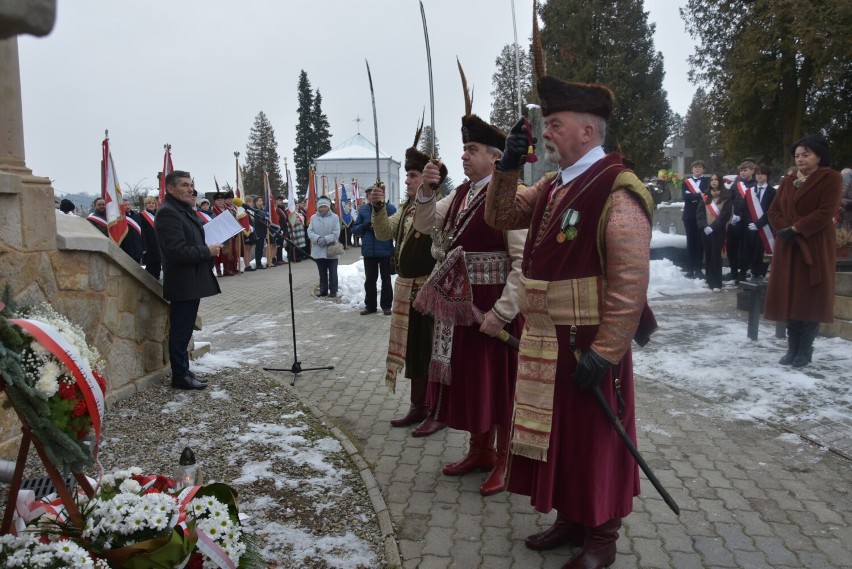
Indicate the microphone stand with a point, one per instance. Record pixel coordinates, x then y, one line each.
276 231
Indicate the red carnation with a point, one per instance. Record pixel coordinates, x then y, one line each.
79 409
67 390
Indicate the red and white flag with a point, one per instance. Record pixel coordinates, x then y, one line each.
271 210
291 194
238 191
168 168
311 206
111 192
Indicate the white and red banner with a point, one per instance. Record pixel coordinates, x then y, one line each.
54 342
271 210
111 192
692 186
291 194
168 168
765 232
238 191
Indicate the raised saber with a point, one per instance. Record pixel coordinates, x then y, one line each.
431 85
517 60
375 126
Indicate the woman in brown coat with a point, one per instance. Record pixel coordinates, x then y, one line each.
801 285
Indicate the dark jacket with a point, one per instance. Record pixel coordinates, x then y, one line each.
691 201
370 245
718 224
187 264
765 201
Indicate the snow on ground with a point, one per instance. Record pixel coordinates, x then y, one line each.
710 356
350 285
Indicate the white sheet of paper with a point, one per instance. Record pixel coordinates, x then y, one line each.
221 228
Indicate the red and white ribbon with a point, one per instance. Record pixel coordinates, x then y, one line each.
756 211
692 186
56 344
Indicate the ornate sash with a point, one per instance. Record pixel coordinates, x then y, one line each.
545 304
713 209
403 291
756 211
742 189
132 223
97 220
204 217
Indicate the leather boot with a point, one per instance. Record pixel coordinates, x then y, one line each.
806 344
598 548
418 410
496 481
794 331
562 532
481 455
429 426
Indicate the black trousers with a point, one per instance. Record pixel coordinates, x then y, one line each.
182 315
372 267
734 245
754 250
694 245
328 275
713 259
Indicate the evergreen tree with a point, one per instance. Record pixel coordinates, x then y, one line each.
699 133
425 147
610 42
262 155
319 123
303 152
504 105
775 70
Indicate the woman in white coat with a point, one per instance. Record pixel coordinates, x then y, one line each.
323 230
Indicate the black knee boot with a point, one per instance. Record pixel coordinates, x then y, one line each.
806 344
794 332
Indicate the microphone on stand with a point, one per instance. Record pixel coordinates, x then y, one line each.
240 203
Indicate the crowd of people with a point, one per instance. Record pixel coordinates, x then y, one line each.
515 308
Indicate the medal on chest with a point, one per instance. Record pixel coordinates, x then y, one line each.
568 228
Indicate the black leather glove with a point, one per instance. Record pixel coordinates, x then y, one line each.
590 370
517 144
787 234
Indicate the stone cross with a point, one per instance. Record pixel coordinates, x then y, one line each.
678 153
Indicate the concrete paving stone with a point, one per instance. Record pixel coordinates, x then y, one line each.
752 523
734 536
472 503
775 551
413 527
713 551
807 522
815 560
410 456
419 502
748 488
443 517
715 510
495 514
522 556
768 510
466 552
684 468
639 524
497 561
437 541
751 560
716 479
496 542
446 493
794 539
674 538
699 488
404 473
650 553
521 526
434 562
834 550
685 560
732 498
469 526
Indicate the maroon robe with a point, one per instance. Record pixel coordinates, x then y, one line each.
483 368
589 477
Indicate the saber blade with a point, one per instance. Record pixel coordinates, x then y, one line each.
375 124
431 85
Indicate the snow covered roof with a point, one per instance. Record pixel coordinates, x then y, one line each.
356 148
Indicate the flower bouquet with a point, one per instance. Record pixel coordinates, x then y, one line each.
55 381
139 522
27 551
671 176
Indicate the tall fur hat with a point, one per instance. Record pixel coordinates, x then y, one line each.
416 160
557 95
474 129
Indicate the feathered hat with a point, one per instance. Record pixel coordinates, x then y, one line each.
557 95
474 129
416 160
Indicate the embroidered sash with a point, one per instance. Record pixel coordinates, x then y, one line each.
403 291
545 304
756 212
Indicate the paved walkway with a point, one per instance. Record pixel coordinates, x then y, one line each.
750 495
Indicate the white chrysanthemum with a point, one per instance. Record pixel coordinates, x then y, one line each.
47 386
130 486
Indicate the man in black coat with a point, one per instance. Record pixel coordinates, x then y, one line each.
187 271
756 219
694 189
735 240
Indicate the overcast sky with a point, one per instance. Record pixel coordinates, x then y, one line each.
195 73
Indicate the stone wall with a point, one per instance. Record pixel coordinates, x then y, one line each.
842 325
48 256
